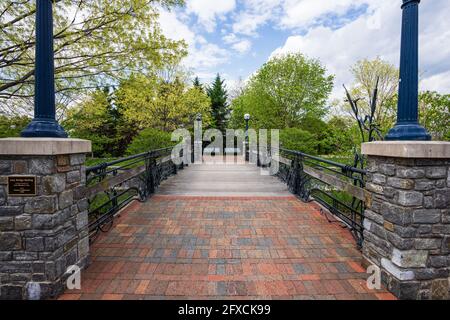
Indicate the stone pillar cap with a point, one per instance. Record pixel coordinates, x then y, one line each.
43 146
408 149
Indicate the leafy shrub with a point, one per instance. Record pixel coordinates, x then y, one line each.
149 139
298 140
11 127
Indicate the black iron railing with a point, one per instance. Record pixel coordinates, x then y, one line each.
110 186
337 187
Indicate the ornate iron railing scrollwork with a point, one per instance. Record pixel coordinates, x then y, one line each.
337 187
110 186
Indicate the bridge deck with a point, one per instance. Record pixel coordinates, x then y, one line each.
224 232
223 180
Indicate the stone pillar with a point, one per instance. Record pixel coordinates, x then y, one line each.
42 234
407 223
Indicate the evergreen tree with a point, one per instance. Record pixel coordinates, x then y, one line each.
197 84
219 105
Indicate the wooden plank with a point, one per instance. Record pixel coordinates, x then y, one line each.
113 181
336 182
164 159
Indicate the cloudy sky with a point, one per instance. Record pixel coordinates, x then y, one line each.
235 37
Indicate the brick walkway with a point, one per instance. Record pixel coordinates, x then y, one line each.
187 247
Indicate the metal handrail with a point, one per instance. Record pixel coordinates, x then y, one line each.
111 163
333 163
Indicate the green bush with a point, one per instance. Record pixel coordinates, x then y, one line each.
149 139
11 127
298 140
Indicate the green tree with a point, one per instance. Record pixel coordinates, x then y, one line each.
149 139
197 84
219 106
152 102
434 113
97 43
299 140
366 73
283 92
338 136
98 120
12 126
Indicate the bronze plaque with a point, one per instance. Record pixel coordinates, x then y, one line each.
22 186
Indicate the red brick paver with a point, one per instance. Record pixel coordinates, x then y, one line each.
178 247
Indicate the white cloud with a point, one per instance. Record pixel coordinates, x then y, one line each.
174 29
242 46
206 56
230 38
203 56
255 14
377 33
208 11
302 13
438 82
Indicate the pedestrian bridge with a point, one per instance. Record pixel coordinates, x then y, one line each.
220 230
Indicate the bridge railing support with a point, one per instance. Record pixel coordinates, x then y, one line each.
407 220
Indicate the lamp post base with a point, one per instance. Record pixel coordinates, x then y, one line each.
44 128
410 131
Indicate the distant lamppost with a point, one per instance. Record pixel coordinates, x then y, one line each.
44 123
407 126
247 153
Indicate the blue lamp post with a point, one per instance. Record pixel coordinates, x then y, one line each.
44 123
408 127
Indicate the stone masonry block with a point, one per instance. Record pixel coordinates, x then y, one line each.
42 204
427 244
396 214
34 244
424 184
54 184
386 169
10 210
77 159
63 160
436 172
410 198
395 271
442 199
10 241
6 224
400 183
42 166
428 216
413 173
20 167
65 199
5 167
378 178
3 196
410 258
22 222
82 220
73 176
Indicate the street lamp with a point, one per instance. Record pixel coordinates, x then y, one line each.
407 126
247 153
44 123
